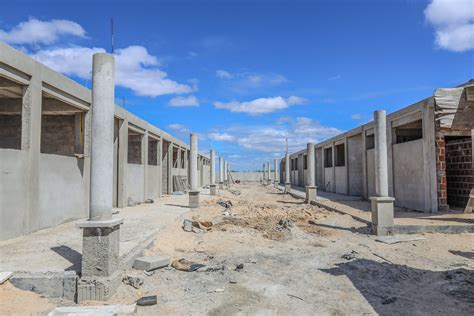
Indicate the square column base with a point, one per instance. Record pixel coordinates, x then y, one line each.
311 194
287 188
221 185
226 184
213 189
100 247
193 198
269 182
98 289
276 184
382 215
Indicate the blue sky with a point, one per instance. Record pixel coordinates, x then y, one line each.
246 75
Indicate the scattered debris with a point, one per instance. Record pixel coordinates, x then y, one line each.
149 201
397 239
151 263
235 192
4 276
94 310
132 202
185 265
216 291
294 296
226 204
195 226
115 211
239 267
148 273
147 300
187 225
284 224
351 255
135 282
232 281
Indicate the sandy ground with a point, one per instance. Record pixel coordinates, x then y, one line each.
277 255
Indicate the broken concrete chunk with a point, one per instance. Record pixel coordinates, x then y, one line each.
151 263
4 276
149 201
185 265
187 225
147 300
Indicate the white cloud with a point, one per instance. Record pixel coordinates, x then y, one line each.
222 137
180 128
224 74
184 101
244 81
261 105
135 68
356 116
35 31
271 139
453 21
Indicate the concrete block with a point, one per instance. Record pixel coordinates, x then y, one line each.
287 188
213 189
311 194
276 184
4 276
98 289
60 285
151 263
100 251
193 199
221 185
382 215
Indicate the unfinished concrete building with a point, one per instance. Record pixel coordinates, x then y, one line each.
45 150
430 156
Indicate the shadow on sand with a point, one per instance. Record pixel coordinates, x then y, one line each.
393 289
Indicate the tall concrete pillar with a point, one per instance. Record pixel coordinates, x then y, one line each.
221 173
226 176
275 173
269 174
287 174
381 204
101 233
264 178
212 185
311 174
193 175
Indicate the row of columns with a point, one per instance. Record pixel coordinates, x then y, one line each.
382 205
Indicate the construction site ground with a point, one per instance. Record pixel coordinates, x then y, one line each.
271 253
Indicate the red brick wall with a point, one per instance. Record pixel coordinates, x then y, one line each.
459 171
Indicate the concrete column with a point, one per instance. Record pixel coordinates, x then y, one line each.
226 180
264 177
122 163
145 165
382 205
310 176
193 176
213 186
31 142
101 233
275 173
269 174
287 174
221 173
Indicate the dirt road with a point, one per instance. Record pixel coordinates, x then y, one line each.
277 255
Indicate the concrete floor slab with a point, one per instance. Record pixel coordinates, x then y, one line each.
59 248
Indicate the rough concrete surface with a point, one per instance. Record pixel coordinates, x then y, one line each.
279 255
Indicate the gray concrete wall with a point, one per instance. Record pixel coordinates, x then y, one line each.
370 173
153 182
135 182
408 170
354 161
247 176
319 168
13 183
328 180
341 180
62 190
